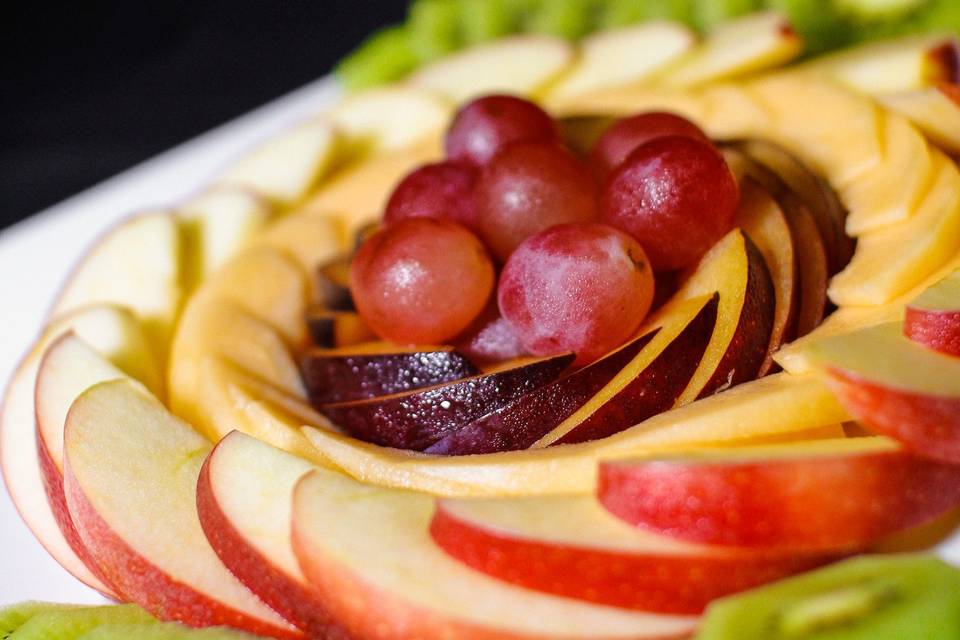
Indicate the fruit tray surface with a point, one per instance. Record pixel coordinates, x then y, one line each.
43 248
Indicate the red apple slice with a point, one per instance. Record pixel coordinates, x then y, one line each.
368 551
569 546
244 500
896 387
130 476
417 419
933 319
340 376
829 496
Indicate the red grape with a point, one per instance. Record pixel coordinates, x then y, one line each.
577 287
442 190
674 195
421 280
628 134
486 125
490 339
527 188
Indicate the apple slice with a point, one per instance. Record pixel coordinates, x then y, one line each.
736 48
417 419
519 65
933 319
893 66
735 269
310 240
390 118
130 477
936 111
114 332
337 376
835 495
891 261
376 554
570 546
287 167
778 406
138 265
68 368
764 222
896 387
640 51
218 224
245 504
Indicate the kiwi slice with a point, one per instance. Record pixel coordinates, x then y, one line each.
164 631
383 57
69 624
434 28
822 25
15 616
484 20
709 13
570 19
866 598
878 10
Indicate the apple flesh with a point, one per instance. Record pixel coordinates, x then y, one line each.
130 477
244 501
569 546
837 495
896 387
417 419
376 555
519 424
333 376
933 319
935 111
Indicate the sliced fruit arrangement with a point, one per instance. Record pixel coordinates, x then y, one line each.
557 285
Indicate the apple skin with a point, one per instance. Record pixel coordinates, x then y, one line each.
662 583
936 329
927 425
293 599
818 503
521 423
418 419
345 377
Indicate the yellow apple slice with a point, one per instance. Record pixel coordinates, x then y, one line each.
935 111
359 193
245 504
137 264
114 332
625 56
390 118
735 48
218 224
781 406
519 65
873 200
893 260
130 477
286 168
312 240
892 66
377 554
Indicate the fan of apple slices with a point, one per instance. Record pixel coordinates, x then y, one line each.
159 441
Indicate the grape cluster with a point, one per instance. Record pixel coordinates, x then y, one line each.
576 240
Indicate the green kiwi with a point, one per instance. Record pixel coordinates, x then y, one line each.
162 631
866 598
878 10
69 624
822 25
383 57
570 19
709 13
434 28
16 615
484 20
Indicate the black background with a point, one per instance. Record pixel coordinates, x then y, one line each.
91 88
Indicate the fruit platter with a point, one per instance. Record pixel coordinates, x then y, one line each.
568 320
